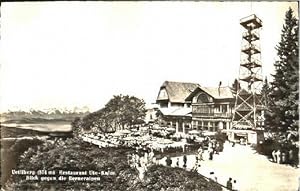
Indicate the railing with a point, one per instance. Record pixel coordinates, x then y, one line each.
251 19
253 16
224 115
209 111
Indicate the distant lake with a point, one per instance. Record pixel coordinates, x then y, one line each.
42 127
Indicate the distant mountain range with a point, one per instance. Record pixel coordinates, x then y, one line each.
44 115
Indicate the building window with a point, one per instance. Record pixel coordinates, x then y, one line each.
224 108
202 98
163 105
205 126
199 127
217 106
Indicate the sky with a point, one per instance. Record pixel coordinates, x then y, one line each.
67 54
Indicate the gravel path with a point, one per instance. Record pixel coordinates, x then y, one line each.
251 170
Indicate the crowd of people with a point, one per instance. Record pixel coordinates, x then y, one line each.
144 156
158 144
283 150
283 157
141 160
214 147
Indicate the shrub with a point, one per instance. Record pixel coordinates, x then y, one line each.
73 154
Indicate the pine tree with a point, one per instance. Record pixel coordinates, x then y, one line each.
267 102
285 92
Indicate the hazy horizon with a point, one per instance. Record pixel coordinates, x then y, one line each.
67 54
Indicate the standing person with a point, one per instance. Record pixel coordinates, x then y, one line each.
200 148
200 152
210 144
218 147
200 156
229 183
177 163
211 153
291 157
274 155
214 145
184 161
278 155
284 157
168 161
235 186
141 170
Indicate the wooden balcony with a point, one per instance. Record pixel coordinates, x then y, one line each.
213 115
211 111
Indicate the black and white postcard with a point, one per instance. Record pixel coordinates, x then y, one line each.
149 95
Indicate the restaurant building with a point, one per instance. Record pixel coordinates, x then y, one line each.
212 108
174 110
187 106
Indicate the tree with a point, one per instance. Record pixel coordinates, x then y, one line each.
266 99
119 112
128 110
88 121
285 92
105 121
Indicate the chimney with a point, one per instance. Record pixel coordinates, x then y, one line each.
219 89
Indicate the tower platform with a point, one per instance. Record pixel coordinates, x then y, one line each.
251 22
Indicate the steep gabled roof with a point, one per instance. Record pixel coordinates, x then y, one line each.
218 92
178 91
214 92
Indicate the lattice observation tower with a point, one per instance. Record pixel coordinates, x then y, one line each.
248 109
